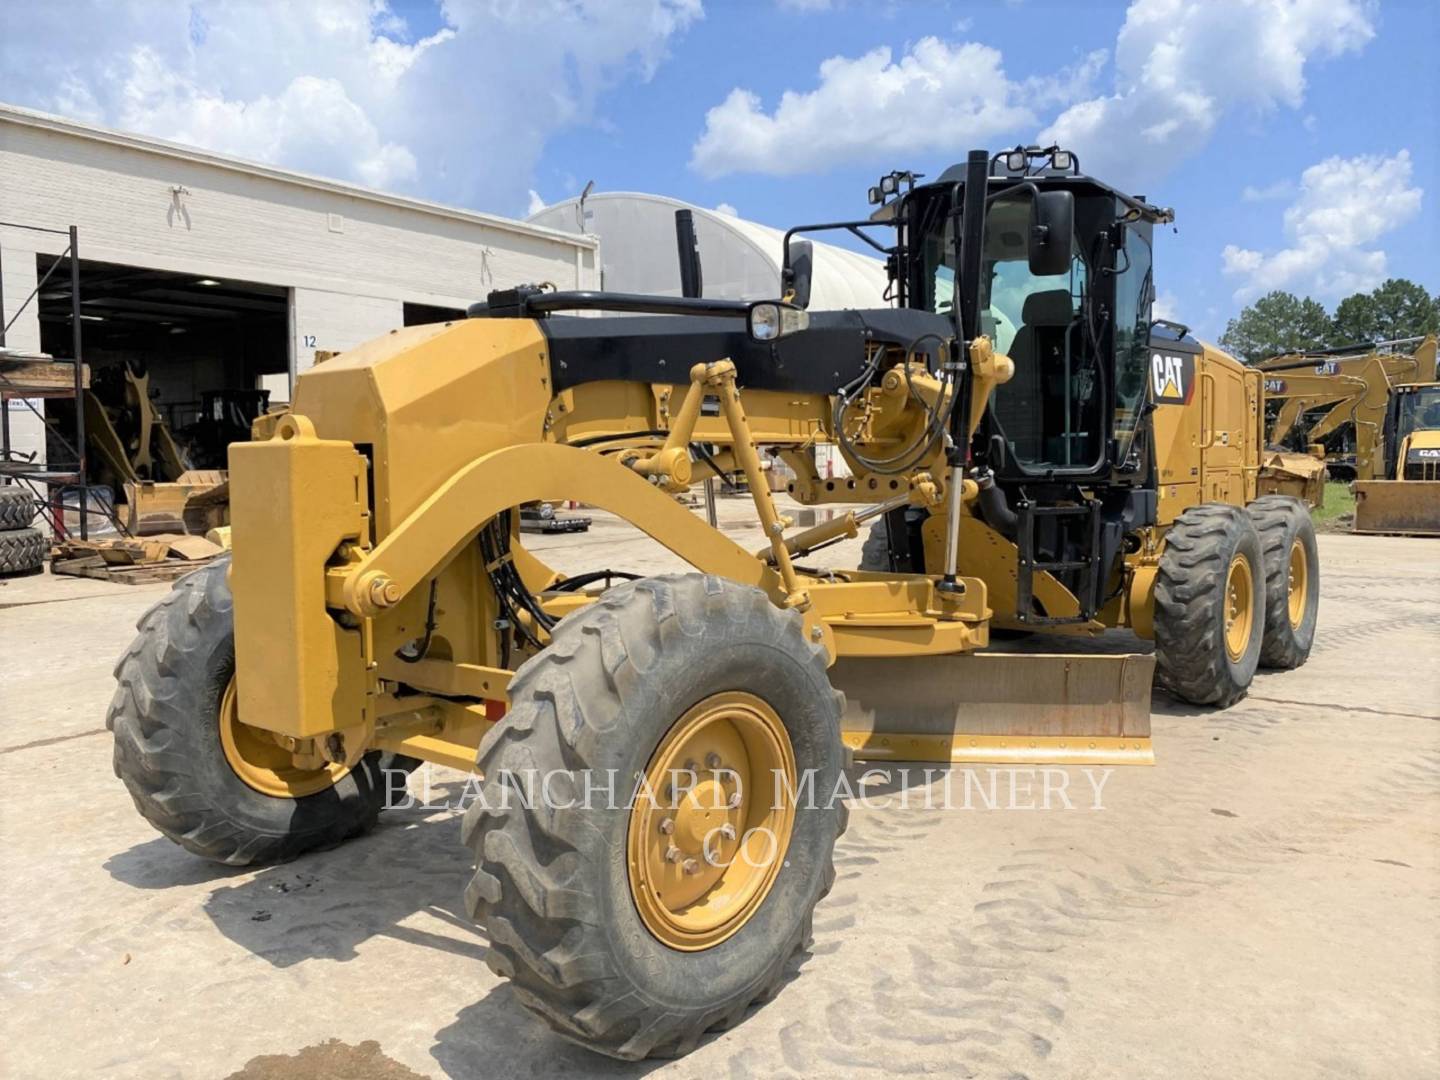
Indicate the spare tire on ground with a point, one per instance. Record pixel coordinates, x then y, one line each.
17 507
21 550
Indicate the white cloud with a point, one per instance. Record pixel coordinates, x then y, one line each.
1345 205
535 204
1180 65
1278 190
342 88
726 209
1166 306
875 108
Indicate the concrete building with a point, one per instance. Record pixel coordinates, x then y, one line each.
219 273
740 259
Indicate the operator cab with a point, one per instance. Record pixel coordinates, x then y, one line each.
1413 408
1078 329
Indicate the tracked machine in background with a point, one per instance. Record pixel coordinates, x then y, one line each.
1337 399
682 735
1373 412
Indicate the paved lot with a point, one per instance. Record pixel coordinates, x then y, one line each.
1261 903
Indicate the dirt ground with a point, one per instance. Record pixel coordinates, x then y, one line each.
1263 902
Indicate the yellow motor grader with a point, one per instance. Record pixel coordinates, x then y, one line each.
662 762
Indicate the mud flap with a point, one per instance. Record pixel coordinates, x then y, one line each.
1408 507
1064 709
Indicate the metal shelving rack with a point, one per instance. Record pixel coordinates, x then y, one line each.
52 476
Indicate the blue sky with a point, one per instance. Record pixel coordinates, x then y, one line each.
1296 138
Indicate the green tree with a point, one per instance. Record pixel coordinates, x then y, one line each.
1278 322
1397 309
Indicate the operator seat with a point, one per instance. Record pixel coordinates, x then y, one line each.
1040 339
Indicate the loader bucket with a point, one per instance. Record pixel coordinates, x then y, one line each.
1406 507
999 708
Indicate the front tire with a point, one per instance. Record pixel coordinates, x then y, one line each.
179 761
1210 605
558 887
1292 579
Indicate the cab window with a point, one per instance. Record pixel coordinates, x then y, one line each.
1049 410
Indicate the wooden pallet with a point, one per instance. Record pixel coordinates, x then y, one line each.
93 566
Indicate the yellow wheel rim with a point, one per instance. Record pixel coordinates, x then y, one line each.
703 853
263 763
1239 607
1299 571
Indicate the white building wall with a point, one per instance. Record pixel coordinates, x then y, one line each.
143 202
335 322
17 281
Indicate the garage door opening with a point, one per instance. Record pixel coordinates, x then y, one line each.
198 347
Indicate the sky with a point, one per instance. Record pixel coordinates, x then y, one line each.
1296 139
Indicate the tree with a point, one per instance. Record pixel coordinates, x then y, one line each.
1397 309
1357 320
1278 322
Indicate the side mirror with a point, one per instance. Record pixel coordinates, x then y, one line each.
799 270
1052 233
769 320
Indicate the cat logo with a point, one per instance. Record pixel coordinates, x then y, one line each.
1274 386
1171 378
1327 367
1426 453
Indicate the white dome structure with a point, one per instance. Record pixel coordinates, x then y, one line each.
739 259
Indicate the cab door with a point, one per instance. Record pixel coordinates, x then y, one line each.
1229 419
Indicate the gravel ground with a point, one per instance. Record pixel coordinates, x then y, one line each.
1263 902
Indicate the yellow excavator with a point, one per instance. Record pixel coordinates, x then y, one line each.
660 764
1338 399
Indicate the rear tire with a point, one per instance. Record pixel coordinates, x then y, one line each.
553 885
1210 605
1292 579
21 550
17 507
168 748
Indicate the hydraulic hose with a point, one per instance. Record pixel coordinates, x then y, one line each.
994 507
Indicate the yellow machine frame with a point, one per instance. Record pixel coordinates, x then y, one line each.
332 558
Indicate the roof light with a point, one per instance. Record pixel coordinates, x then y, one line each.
207 281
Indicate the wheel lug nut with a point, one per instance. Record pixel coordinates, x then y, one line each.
672 854
712 760
667 826
691 866
734 801
727 831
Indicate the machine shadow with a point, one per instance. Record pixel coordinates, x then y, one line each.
326 904
498 1028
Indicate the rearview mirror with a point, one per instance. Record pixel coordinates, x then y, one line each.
770 320
1052 232
798 273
